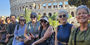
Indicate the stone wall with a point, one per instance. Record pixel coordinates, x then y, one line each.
48 7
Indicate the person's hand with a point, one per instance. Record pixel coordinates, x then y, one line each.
6 40
37 36
8 35
29 38
17 38
20 39
32 36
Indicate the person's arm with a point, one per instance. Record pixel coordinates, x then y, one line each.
56 41
47 34
25 34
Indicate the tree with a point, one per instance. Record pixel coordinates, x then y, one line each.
79 2
53 20
27 14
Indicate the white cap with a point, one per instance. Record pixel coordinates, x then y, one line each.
44 18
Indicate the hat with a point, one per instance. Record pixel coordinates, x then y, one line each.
33 14
44 18
22 17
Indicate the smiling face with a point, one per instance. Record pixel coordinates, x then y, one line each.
33 18
62 18
82 15
8 20
43 22
22 21
13 19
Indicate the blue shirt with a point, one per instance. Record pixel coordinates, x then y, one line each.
18 32
63 33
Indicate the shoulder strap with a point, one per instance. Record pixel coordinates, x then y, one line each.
75 36
18 27
40 32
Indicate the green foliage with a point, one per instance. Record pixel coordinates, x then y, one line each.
89 21
54 16
78 2
54 23
53 20
27 15
39 16
70 16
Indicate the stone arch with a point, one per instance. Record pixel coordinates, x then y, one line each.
61 4
54 13
44 14
39 13
49 14
44 5
54 5
72 13
30 6
49 5
66 3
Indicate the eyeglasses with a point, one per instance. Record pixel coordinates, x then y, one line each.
62 16
43 21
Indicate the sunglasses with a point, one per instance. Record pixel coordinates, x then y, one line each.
62 16
43 21
22 20
33 17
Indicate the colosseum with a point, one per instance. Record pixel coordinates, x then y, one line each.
43 7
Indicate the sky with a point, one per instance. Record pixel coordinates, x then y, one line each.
4 8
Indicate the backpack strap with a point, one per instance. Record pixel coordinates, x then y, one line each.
17 26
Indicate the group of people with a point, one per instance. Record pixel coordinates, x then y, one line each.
42 33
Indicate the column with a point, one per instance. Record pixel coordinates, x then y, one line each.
46 6
58 5
63 4
52 6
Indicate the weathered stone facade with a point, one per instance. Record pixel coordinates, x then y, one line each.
48 7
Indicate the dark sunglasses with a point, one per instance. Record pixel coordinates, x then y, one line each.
62 16
43 21
33 17
22 20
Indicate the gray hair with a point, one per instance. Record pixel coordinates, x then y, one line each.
84 7
63 11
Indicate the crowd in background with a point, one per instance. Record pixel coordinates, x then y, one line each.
40 32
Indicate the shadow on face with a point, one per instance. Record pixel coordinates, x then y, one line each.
82 15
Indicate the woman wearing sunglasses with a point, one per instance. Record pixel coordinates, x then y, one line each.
45 32
63 30
81 34
19 32
31 31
